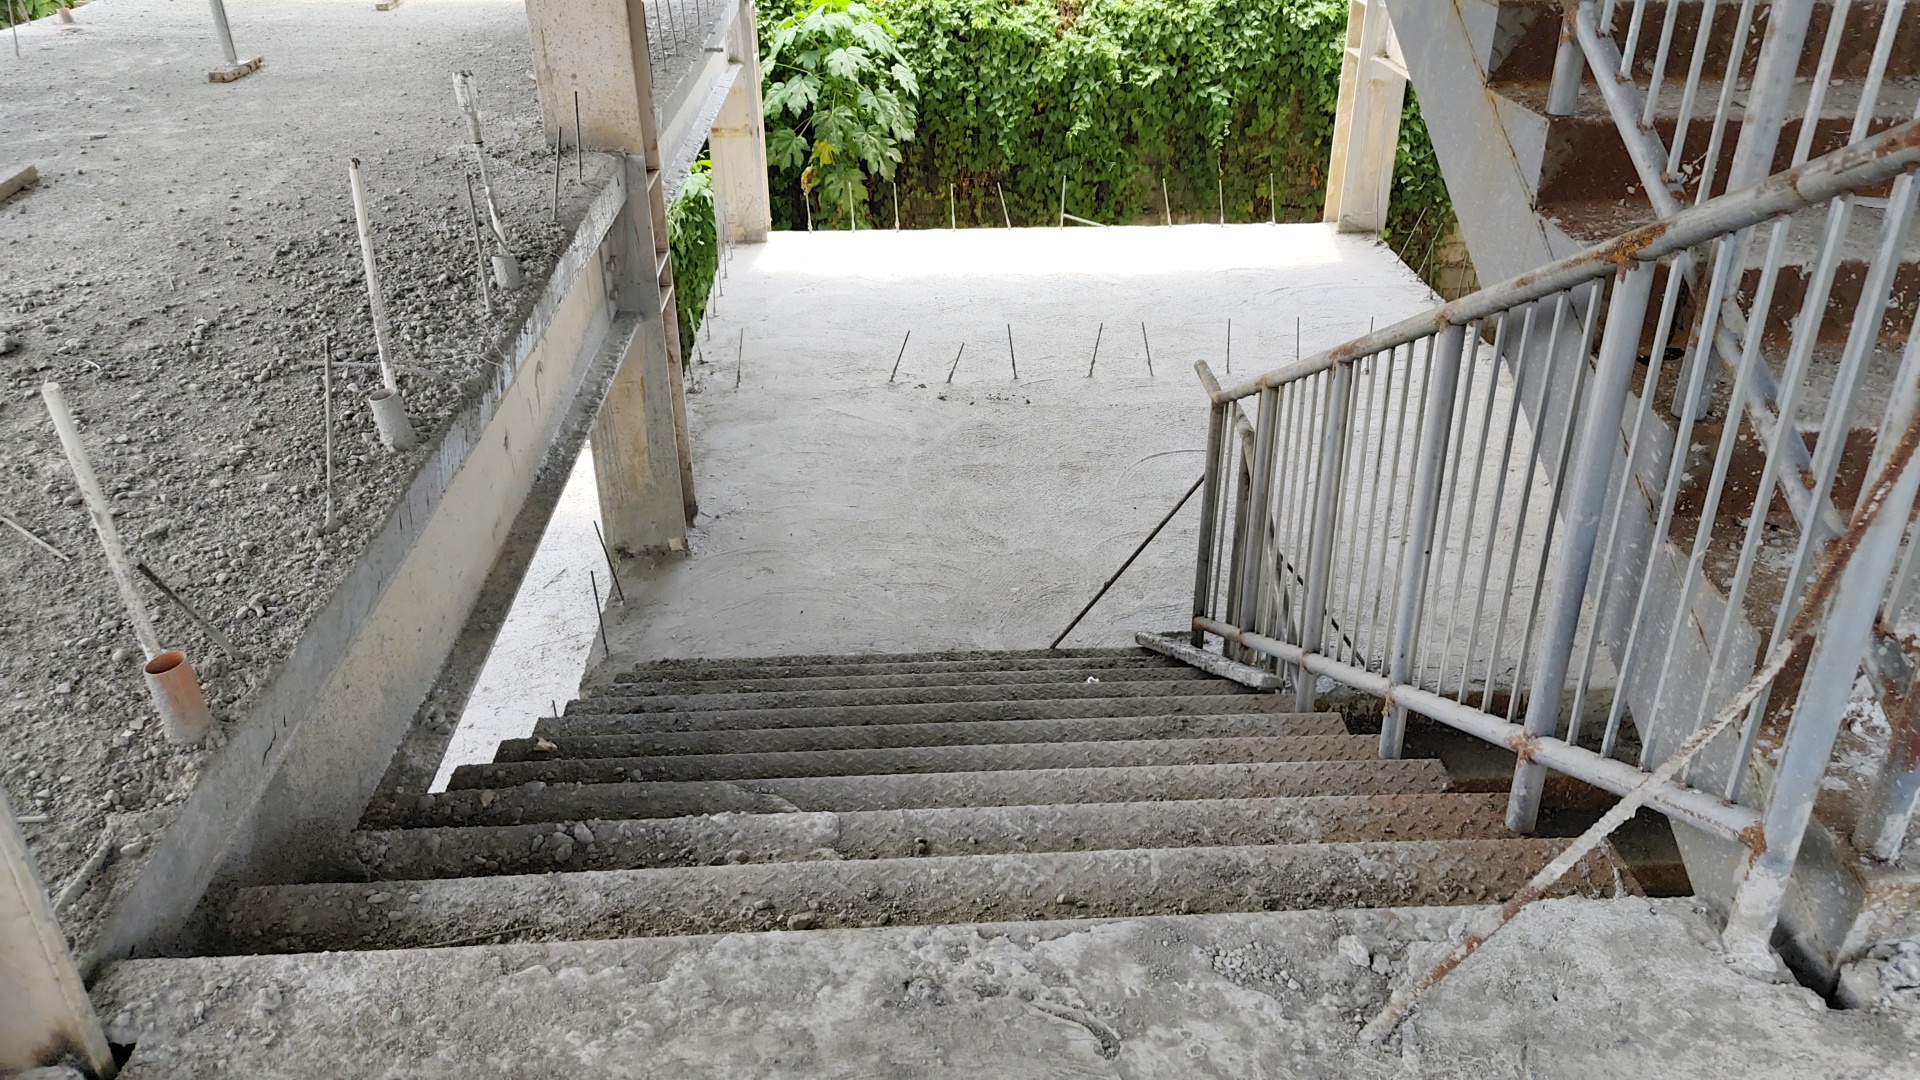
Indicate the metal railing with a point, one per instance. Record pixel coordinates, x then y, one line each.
1480 515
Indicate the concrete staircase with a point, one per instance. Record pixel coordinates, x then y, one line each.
800 795
691 797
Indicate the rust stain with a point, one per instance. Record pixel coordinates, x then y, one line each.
1754 838
1524 746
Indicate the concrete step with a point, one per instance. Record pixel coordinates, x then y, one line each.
1627 988
877 892
858 666
883 736
792 683
993 757
577 724
928 657
906 695
575 802
641 844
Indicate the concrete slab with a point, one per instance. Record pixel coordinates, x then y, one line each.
1574 988
841 512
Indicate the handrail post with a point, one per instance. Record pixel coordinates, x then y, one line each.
1588 478
1209 518
1430 466
1824 690
1248 587
1326 513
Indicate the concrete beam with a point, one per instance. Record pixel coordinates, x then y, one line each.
595 54
742 205
1366 127
47 1019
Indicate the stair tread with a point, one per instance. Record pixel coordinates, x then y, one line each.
842 715
638 704
795 683
925 759
572 802
855 893
968 830
856 667
1128 652
955 733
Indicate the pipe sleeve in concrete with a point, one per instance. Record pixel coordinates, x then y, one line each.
177 694
506 272
390 417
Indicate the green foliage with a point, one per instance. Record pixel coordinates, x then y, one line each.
1421 214
1116 96
838 101
695 248
29 10
1217 100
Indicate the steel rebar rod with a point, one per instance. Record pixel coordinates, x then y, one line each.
1135 554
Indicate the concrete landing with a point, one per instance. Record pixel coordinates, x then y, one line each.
1572 989
842 513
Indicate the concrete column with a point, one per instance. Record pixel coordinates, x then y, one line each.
593 55
1366 126
46 1018
738 143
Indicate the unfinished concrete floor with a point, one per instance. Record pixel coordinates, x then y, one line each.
186 251
841 512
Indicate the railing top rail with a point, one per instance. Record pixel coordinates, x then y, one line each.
1849 168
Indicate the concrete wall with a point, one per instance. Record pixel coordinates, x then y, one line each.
297 771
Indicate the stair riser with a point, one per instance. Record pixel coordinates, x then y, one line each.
884 736
897 834
791 684
910 695
641 903
940 759
842 793
1585 159
965 711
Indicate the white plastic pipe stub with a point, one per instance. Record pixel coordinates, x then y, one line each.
177 694
390 419
506 272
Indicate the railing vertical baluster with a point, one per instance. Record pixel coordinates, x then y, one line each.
1236 555
1589 477
1260 490
1569 63
1455 459
1417 550
1209 513
1326 514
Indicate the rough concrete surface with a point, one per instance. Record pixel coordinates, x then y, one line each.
187 249
1574 989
